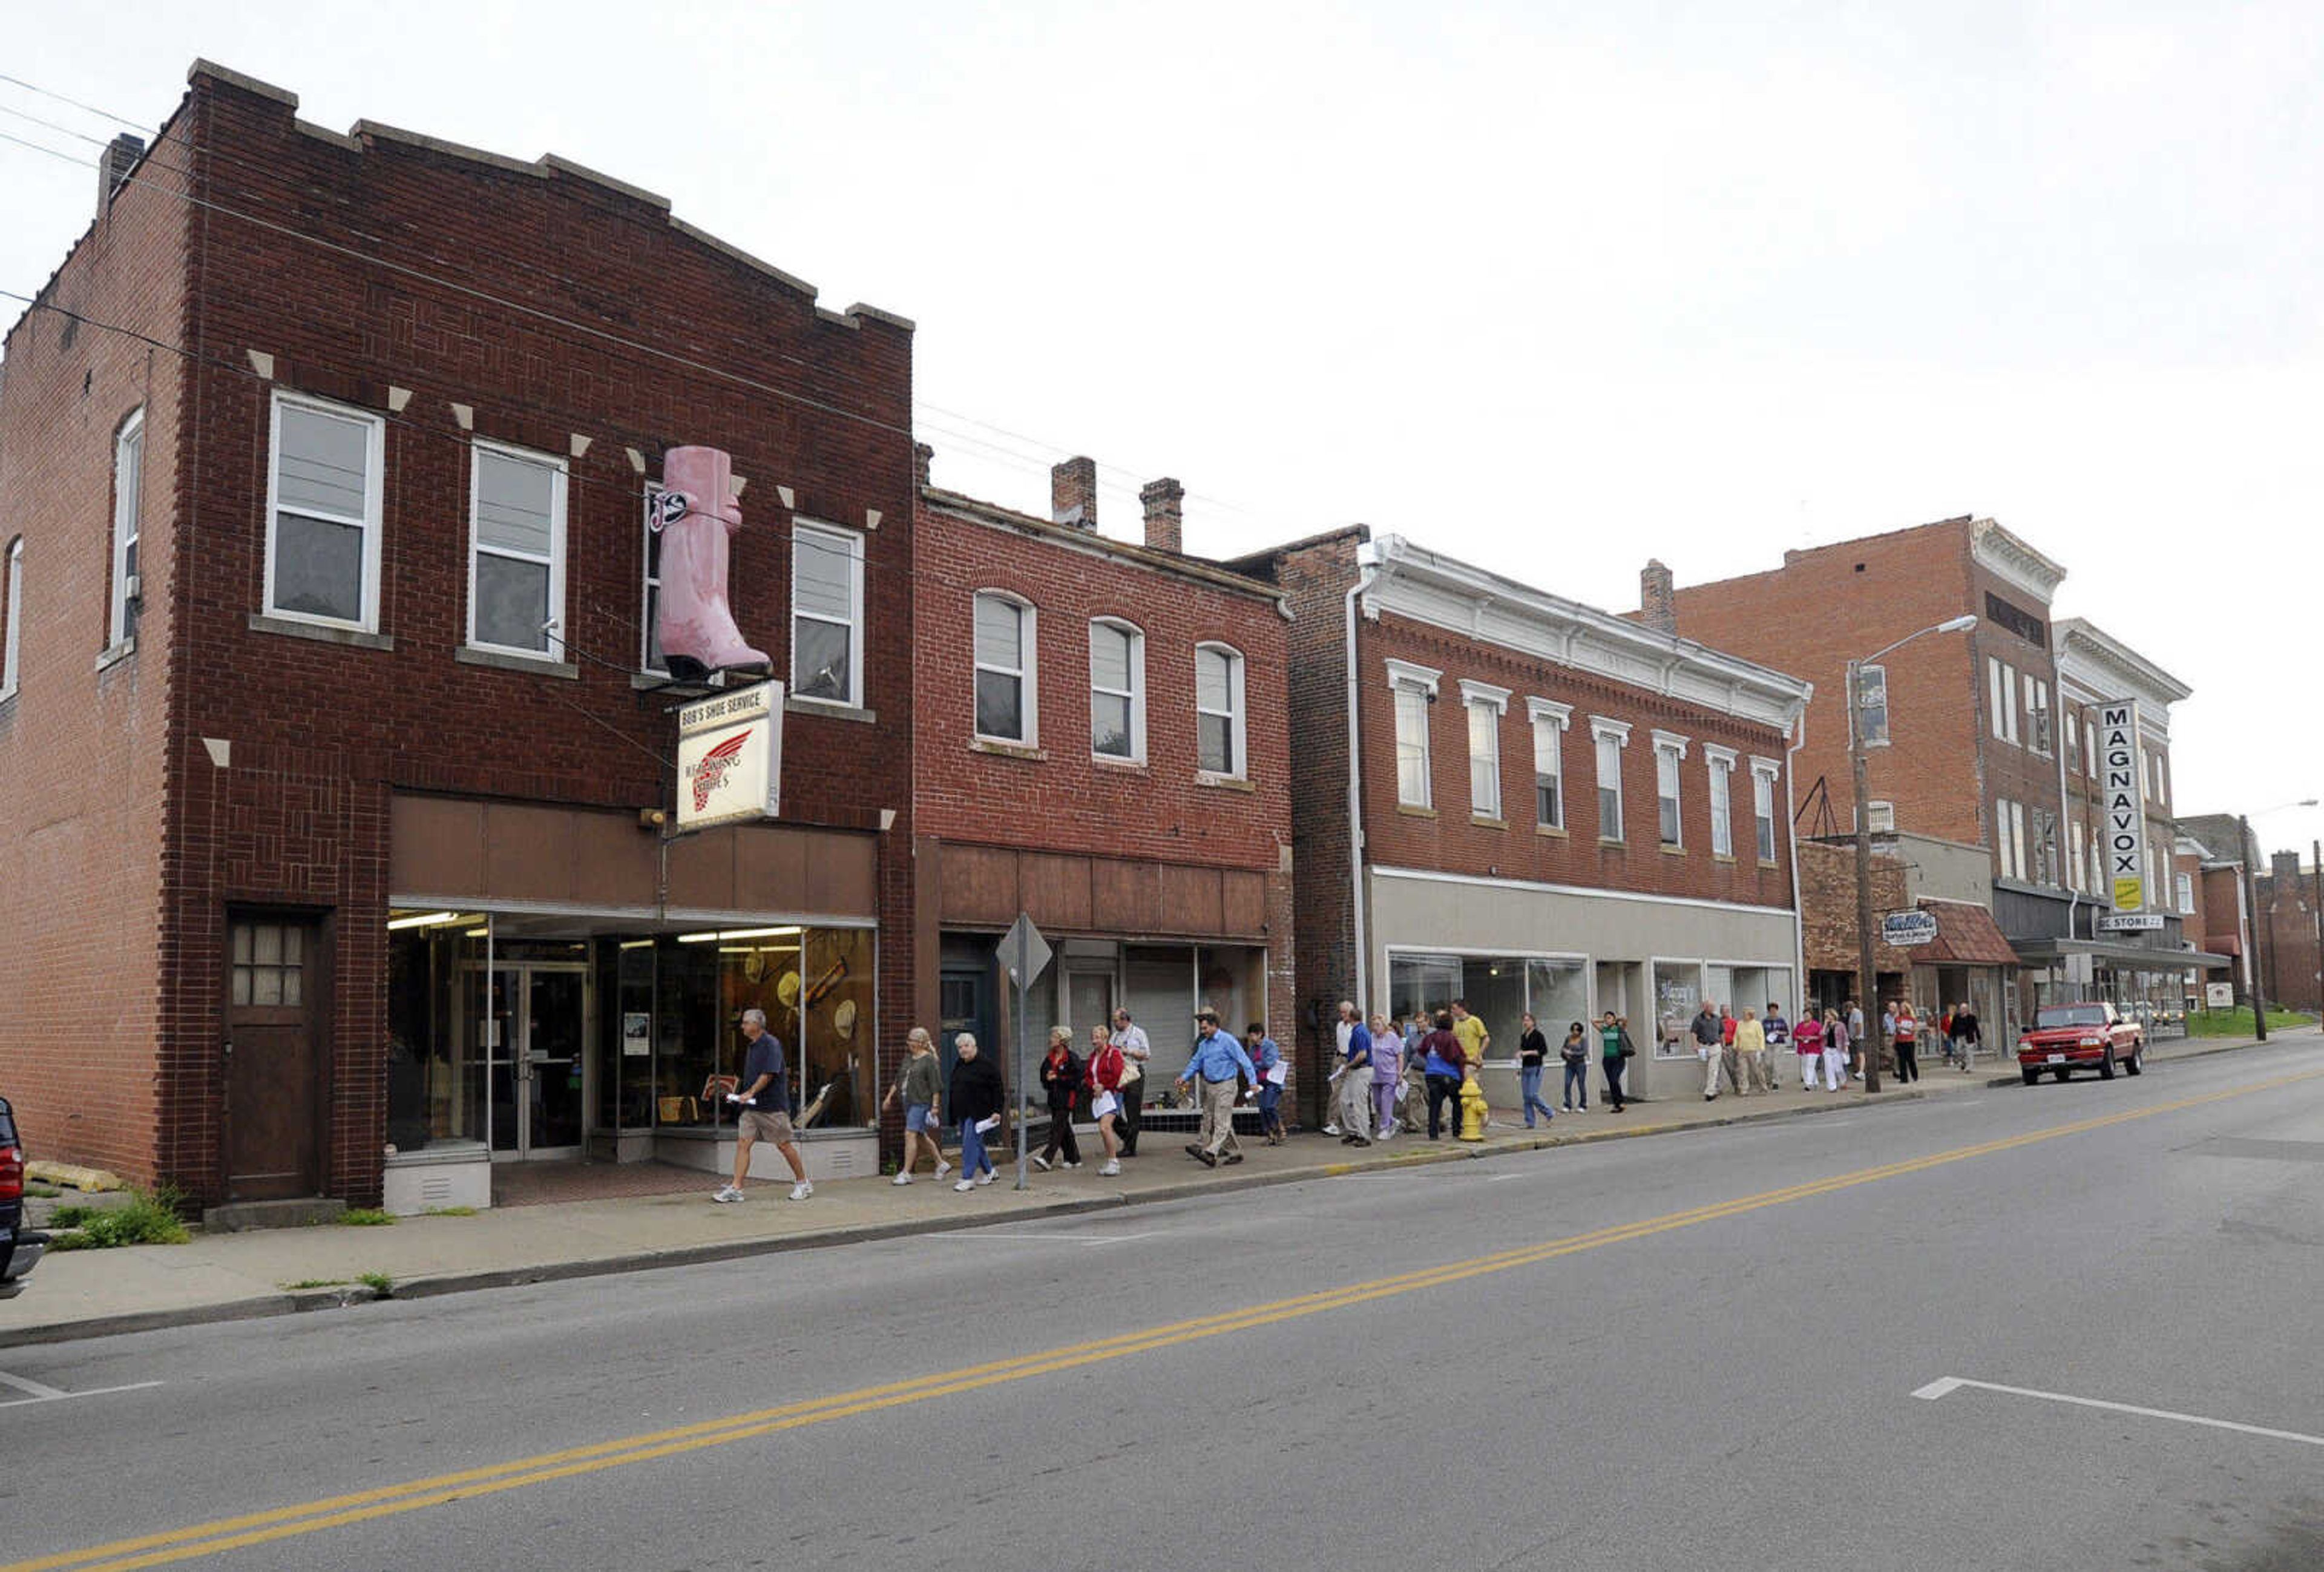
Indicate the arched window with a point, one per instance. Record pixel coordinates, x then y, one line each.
11 636
1218 710
1117 691
1007 700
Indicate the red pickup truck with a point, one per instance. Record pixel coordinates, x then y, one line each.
2065 1037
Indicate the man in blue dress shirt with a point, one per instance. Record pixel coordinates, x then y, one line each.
1217 1059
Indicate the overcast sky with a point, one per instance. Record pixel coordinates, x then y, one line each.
1552 287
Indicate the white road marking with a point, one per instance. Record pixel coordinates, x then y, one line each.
36 1392
972 1235
1502 1178
1952 1383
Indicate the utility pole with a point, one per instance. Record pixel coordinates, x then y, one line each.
2251 902
2316 868
1865 975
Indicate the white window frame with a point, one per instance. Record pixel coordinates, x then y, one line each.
12 651
1136 692
1481 702
2089 748
1549 723
1236 729
1765 772
552 651
811 535
2076 869
1670 753
1603 731
128 490
1720 762
1996 703
2185 883
375 491
2037 703
1408 684
648 581
2070 714
1880 816
1027 672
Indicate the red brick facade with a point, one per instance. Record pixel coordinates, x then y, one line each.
1828 931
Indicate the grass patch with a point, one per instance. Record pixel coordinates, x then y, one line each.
379 1283
451 1211
2238 1023
367 1218
144 1218
40 1192
315 1282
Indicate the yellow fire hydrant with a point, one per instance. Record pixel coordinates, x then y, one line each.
1472 1108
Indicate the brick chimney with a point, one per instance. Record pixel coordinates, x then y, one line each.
113 166
922 457
1072 492
1166 523
1659 612
2285 867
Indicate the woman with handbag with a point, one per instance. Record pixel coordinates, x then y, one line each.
1575 1054
1615 1051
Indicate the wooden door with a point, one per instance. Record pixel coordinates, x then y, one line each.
275 971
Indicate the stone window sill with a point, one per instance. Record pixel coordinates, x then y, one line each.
1485 821
830 711
1768 864
1614 842
1223 782
1671 851
1409 811
1555 829
114 654
1723 857
353 638
532 665
1123 766
1007 750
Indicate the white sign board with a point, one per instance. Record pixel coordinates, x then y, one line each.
2131 922
1907 928
730 757
2125 803
2218 995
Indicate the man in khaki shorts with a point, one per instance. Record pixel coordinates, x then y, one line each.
764 1086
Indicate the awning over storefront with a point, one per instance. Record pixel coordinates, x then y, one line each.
2041 952
1967 935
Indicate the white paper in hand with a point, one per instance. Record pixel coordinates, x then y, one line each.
988 1123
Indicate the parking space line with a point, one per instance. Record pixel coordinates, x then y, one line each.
35 1392
1952 1383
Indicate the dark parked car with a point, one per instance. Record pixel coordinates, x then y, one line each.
20 1247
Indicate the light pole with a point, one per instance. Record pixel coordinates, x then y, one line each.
1866 977
2251 905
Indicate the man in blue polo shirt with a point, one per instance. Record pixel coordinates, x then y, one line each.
1217 1059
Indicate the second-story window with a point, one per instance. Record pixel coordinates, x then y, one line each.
516 585
1762 807
323 514
650 655
1117 691
1548 762
1485 705
11 637
1669 751
1608 738
827 614
128 469
1721 762
2186 894
1218 710
1005 694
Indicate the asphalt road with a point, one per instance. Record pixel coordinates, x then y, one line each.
1699 1351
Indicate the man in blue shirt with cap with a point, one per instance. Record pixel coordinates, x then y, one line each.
1217 1059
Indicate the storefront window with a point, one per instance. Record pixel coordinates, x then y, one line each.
1499 991
814 986
436 967
1559 995
1678 995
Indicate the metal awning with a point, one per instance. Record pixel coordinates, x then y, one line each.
2041 952
1967 935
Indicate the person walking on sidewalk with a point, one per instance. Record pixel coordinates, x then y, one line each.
920 1088
1061 1079
1355 1079
975 1096
1807 1042
1344 1030
1615 1051
1267 1061
1906 1035
1966 1035
1387 1073
1131 1038
1217 1059
1707 1033
1851 1040
1751 1052
1533 1056
761 1097
1102 1076
1442 1060
1837 1046
1574 1055
1778 1033
1474 1039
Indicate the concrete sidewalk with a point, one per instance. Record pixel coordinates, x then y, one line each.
236 1276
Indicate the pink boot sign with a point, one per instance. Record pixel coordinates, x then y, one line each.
694 514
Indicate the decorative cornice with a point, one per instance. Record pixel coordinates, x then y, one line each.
2104 666
2012 560
1484 693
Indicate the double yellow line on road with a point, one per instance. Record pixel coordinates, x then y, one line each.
232 1533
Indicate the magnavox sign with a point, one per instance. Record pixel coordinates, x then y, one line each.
2125 811
730 757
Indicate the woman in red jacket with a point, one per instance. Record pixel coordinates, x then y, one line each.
1102 1076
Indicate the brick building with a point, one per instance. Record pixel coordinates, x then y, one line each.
1551 808
1980 725
2214 861
335 753
1101 740
2288 949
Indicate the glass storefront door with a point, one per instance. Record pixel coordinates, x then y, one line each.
534 1060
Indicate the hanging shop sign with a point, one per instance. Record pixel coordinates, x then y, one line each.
2124 804
730 757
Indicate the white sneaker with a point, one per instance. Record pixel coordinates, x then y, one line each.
943 1168
902 1178
1040 1163
985 1177
727 1193
964 1186
1111 1167
1330 1129
802 1190
1072 1163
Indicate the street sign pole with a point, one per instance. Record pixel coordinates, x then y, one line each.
1026 955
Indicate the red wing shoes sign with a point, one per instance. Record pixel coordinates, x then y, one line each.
730 756
2125 811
